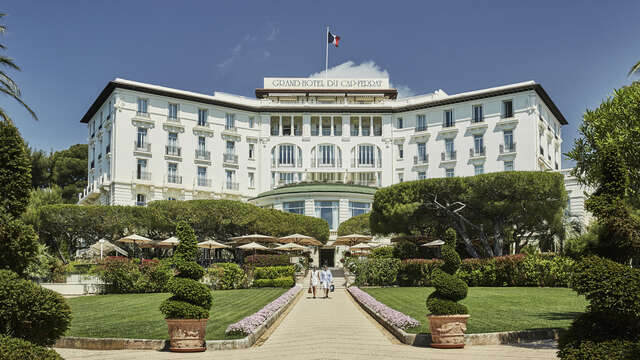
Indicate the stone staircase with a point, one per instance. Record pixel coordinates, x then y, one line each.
339 280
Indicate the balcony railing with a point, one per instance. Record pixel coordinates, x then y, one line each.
173 118
421 159
366 131
203 154
358 163
142 146
230 185
204 182
317 163
174 179
474 152
142 114
421 128
143 175
274 131
354 132
230 158
476 120
326 131
507 148
315 132
229 127
297 132
448 155
141 203
448 124
377 131
173 150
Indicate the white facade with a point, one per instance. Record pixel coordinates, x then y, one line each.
149 142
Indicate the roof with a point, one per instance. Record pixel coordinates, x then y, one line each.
256 105
319 188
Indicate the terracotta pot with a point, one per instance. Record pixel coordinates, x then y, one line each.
187 335
447 331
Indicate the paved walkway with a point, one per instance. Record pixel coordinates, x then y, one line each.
334 328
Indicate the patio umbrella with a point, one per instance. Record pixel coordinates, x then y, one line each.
352 239
104 246
170 242
253 245
361 246
135 240
300 239
212 244
253 238
291 247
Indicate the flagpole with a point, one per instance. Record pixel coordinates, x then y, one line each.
326 60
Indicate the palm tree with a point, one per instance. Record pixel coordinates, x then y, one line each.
635 69
7 85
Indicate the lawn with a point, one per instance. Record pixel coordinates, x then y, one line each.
493 309
137 315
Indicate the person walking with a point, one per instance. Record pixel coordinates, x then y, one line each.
314 280
327 279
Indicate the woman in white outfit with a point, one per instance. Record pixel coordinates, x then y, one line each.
327 279
315 280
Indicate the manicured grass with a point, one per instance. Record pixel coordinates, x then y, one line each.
137 315
493 309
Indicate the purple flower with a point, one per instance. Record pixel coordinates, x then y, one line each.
394 317
249 324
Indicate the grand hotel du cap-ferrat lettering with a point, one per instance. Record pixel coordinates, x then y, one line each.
320 83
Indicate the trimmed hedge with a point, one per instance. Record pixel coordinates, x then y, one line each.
261 260
607 350
374 271
125 276
449 288
226 276
31 312
283 282
19 349
274 272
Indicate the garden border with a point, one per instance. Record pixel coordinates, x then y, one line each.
72 342
494 338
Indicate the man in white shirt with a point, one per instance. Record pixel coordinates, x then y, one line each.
326 277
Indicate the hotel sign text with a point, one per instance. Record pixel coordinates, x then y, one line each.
321 83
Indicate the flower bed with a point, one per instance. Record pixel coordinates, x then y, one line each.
251 323
394 317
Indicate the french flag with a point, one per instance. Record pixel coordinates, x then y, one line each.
333 39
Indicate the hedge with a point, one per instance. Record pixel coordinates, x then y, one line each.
63 226
283 282
260 260
374 271
226 276
126 276
274 272
358 224
18 349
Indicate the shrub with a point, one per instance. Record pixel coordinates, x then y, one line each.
449 288
375 271
31 312
18 243
405 250
358 224
19 349
274 272
191 299
384 252
417 272
125 276
15 171
226 276
607 350
396 318
282 282
261 260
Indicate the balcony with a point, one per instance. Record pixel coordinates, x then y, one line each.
142 147
354 132
477 152
376 131
143 175
294 163
231 128
203 155
230 158
315 132
174 179
141 203
173 119
507 148
363 163
230 185
142 114
319 163
421 128
173 150
204 182
448 156
297 132
421 159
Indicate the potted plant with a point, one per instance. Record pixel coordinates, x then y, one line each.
448 319
187 310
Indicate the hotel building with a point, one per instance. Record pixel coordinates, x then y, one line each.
318 147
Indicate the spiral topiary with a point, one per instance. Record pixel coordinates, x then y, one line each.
449 288
191 299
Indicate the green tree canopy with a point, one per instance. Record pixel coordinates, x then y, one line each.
15 170
358 224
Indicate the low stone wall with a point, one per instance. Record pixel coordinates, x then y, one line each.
75 288
149 344
497 338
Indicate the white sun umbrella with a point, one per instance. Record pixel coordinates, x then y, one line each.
361 246
434 243
352 239
300 239
104 246
212 244
291 247
253 238
135 239
253 246
170 242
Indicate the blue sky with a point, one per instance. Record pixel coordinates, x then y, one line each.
69 50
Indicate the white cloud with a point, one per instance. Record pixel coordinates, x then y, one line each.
367 69
249 46
274 31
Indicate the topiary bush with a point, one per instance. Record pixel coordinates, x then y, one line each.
18 244
18 349
449 288
31 312
191 299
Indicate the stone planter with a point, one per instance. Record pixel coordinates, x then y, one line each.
447 331
187 335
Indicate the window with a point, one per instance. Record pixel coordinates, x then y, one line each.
173 138
296 207
202 143
252 181
141 170
252 121
507 109
286 155
326 154
173 111
231 147
508 165
400 151
142 107
142 137
365 155
172 174
230 176
421 123
478 145
399 123
358 208
326 126
449 149
328 211
172 144
315 126
286 178
141 200
477 114
337 126
252 151
230 122
422 175
355 126
202 117
366 126
202 176
508 141
478 169
400 177
286 126
448 118
449 173
422 151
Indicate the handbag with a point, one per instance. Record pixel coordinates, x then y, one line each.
332 288
309 292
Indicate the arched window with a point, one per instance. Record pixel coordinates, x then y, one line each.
286 155
366 155
326 155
